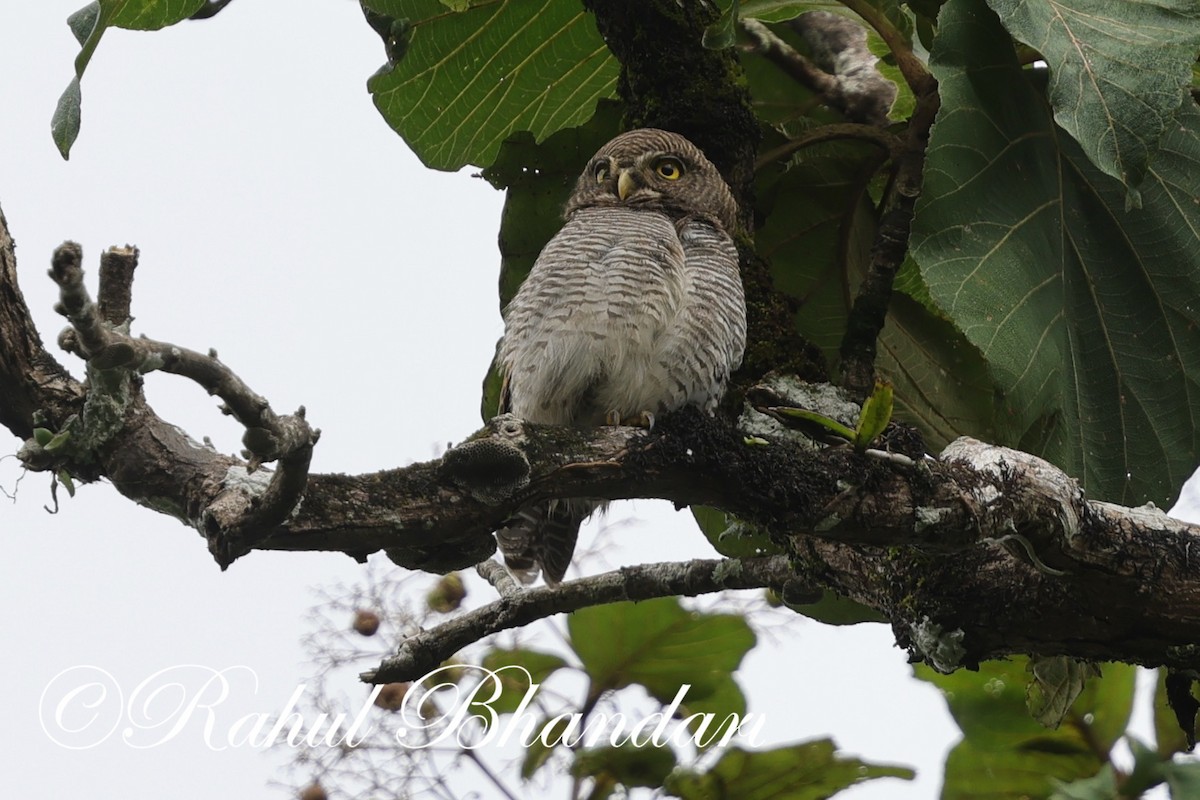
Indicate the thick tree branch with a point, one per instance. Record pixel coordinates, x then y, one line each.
244 508
36 389
427 650
980 553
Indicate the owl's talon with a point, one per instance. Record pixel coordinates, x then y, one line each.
613 418
643 420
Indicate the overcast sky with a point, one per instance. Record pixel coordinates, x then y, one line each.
281 222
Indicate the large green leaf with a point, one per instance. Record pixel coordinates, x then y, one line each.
1085 312
517 670
662 646
818 235
628 765
808 771
468 80
1008 754
1117 71
88 25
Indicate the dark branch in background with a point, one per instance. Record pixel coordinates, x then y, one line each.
210 9
427 650
869 311
844 78
839 46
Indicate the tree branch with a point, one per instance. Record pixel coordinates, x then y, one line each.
869 311
425 651
244 509
845 79
980 553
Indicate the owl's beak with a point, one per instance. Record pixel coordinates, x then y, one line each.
625 184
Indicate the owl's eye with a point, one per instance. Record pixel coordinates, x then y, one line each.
601 173
669 168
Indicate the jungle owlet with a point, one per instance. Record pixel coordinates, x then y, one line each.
634 307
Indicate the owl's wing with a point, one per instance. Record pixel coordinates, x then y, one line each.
706 342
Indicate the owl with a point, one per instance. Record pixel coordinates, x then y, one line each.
634 308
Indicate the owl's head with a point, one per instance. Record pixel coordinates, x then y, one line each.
657 170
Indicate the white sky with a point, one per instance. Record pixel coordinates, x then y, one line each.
281 222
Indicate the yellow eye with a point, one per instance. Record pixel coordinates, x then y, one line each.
669 168
601 174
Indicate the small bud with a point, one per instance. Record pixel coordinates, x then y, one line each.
391 696
447 595
314 791
366 622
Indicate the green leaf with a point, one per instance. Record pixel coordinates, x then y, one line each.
723 32
64 478
1056 682
1084 312
1183 778
818 233
87 26
629 766
517 670
942 383
875 415
824 423
972 773
471 79
730 536
808 771
1118 71
1168 736
662 646
58 442
834 609
1010 753
1106 703
43 436
538 752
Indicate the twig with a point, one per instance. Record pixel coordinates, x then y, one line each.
488 773
425 651
845 80
231 523
782 55
499 577
915 73
116 283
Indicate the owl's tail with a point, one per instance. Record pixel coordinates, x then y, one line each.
542 537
